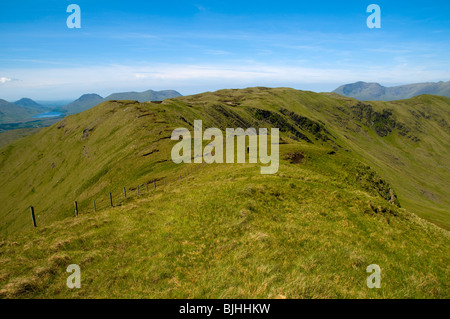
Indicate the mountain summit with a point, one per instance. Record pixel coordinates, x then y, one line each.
87 101
84 102
145 96
29 103
376 92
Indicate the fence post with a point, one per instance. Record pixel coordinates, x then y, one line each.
76 209
32 216
124 192
95 208
110 200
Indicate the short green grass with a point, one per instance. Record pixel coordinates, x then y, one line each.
102 150
7 137
228 232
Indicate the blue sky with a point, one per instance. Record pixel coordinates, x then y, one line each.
205 45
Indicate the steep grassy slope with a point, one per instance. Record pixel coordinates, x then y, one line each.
7 137
126 143
407 141
80 157
414 157
225 230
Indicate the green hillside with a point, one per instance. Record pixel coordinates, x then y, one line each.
225 230
11 113
7 137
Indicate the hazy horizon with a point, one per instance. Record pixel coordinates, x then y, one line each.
193 47
73 98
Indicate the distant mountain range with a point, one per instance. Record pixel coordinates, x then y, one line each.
87 101
145 96
332 209
30 104
19 111
24 109
375 92
84 102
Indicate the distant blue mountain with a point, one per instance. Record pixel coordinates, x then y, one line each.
87 101
376 92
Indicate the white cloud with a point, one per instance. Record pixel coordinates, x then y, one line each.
4 80
196 78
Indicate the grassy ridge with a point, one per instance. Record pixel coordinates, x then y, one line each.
85 156
228 232
308 231
407 142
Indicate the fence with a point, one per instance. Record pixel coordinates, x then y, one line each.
118 198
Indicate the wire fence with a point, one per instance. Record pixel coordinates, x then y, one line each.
124 195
